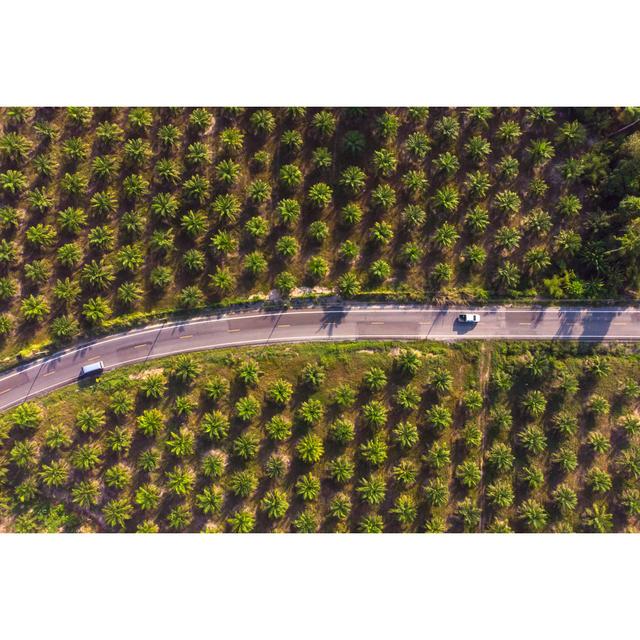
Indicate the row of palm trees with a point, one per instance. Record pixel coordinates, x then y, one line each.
236 443
108 211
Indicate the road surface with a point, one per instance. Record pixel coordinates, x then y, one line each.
373 322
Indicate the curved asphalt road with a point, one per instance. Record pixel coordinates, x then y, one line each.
303 325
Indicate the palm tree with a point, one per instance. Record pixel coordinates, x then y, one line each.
320 195
405 473
437 492
375 379
469 513
353 179
86 457
500 494
288 211
372 524
213 465
23 454
565 499
86 493
290 176
438 456
317 268
349 285
287 247
181 443
354 142
119 440
196 188
308 487
130 258
34 308
104 203
500 458
72 220
418 144
340 507
324 123
215 425
191 297
598 519
40 200
180 481
41 235
375 413
185 369
280 392
101 238
534 515
13 181
406 435
342 431
117 512
96 310
310 412
535 403
468 473
306 522
341 469
278 428
245 446
242 521
375 450
150 422
439 416
541 151
407 398
262 121
405 510
447 163
147 497
599 480
117 477
408 362
129 293
508 202
90 419
216 388
533 440
385 162
383 197
26 415
275 504
247 408
97 274
209 500
372 489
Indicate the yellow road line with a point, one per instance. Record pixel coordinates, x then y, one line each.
233 330
44 375
376 323
283 326
185 337
139 346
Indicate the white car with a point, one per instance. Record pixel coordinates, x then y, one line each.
469 318
93 369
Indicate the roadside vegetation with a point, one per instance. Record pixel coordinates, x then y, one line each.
361 437
109 214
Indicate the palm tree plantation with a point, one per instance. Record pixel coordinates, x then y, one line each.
114 216
360 437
